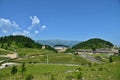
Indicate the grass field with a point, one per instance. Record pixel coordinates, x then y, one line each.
30 51
54 58
61 66
109 71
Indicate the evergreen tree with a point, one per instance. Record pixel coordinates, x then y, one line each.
14 70
119 52
110 59
23 69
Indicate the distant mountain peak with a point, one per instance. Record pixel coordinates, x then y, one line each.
54 42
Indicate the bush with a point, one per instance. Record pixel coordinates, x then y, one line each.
110 59
29 77
79 76
52 77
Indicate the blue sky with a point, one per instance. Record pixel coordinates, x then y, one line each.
61 19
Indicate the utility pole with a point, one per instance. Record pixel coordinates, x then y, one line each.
47 58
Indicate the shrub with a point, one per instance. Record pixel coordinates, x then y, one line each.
70 77
29 77
79 76
52 77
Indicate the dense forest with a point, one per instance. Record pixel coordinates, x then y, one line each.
18 41
93 44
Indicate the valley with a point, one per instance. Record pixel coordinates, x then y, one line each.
48 64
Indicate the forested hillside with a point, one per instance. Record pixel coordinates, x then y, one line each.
18 41
93 43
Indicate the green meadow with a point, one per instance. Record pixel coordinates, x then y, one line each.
109 71
43 64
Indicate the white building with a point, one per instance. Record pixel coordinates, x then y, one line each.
61 48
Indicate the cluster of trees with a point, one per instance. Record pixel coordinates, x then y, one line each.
93 44
18 41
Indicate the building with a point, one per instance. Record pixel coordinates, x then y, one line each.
61 48
110 51
87 51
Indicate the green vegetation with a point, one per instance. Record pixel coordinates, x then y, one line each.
110 71
15 42
110 59
116 58
35 63
14 70
93 44
23 69
50 48
39 71
4 51
18 42
29 77
54 58
23 52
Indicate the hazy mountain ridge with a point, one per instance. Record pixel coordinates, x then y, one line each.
56 42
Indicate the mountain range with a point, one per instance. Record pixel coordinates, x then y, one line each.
58 42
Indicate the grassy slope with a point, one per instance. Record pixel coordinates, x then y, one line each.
39 71
54 58
3 51
109 71
30 51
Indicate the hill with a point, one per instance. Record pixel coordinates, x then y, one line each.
18 41
56 42
93 43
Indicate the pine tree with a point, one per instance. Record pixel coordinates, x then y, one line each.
110 59
14 70
23 69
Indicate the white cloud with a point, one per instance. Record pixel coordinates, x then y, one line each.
8 23
7 26
35 20
10 27
36 32
43 27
